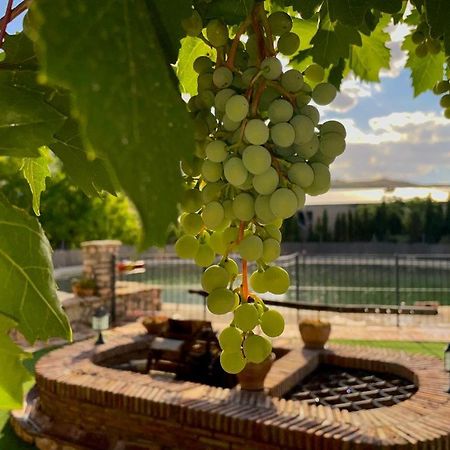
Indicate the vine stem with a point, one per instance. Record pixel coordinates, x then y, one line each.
259 36
267 28
244 286
6 19
235 43
257 97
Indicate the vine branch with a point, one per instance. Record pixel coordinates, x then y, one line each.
10 14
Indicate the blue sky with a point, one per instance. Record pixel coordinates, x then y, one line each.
391 134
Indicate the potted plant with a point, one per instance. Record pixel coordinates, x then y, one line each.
156 324
83 287
315 333
252 377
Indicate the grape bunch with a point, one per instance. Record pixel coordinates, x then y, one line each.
260 149
424 42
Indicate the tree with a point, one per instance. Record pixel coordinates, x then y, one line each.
117 122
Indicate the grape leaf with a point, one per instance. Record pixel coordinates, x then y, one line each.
349 12
306 29
130 112
438 17
14 374
19 53
367 61
35 171
425 72
231 12
306 8
191 48
336 73
391 7
26 270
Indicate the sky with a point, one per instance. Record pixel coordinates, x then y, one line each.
390 134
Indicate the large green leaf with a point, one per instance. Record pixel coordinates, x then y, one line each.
232 12
28 289
350 12
425 72
306 29
130 111
438 17
35 171
13 372
306 8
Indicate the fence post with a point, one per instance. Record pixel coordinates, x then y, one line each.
113 289
397 288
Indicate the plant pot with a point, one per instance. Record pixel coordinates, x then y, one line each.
156 324
83 291
315 334
253 376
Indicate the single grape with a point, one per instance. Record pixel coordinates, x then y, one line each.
315 73
251 248
418 37
246 317
216 151
280 23
236 108
272 323
232 362
300 194
191 200
301 173
271 68
222 97
230 339
271 250
447 113
262 209
214 277
258 282
202 64
187 246
228 208
244 206
247 184
304 128
230 235
230 125
192 223
433 46
283 134
217 244
256 159
217 33
445 101
283 203
235 171
193 24
333 126
211 171
230 266
307 149
222 77
256 348
256 132
273 231
322 179
280 110
292 80
321 158
266 182
205 256
277 280
201 129
302 99
312 112
221 301
213 215
288 43
205 81
441 87
268 96
324 93
205 99
248 76
211 191
332 144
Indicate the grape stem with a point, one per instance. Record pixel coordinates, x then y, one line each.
257 97
202 37
266 26
235 43
283 91
259 36
6 19
244 286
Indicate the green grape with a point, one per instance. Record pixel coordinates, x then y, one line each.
267 182
215 277
332 144
280 23
187 246
192 104
315 73
273 231
256 159
211 191
222 77
230 125
312 112
304 128
256 132
300 194
282 134
421 50
246 316
213 215
221 301
280 111
441 86
205 256
277 280
230 339
322 179
248 76
201 129
222 97
211 171
216 151
447 113
417 37
230 235
230 266
203 64
445 101
191 167
288 43
251 47
333 126
301 173
285 152
244 206
271 250
192 223
228 208
205 99
256 348
283 203
321 158
292 80
307 149
236 108
262 209
232 362
251 248
191 200
235 171
433 46
205 81
302 99
210 120
258 282
306 88
217 33
324 93
271 68
268 96
272 323
217 244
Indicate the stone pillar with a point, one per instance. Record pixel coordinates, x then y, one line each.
97 263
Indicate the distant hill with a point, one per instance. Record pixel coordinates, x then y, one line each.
378 183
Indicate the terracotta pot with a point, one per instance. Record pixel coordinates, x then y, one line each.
253 376
155 324
315 334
